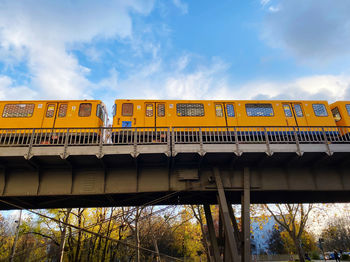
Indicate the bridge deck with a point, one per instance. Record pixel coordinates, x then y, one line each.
48 168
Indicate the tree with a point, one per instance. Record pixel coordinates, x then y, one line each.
292 218
336 235
275 242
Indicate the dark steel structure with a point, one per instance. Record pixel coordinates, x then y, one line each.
51 168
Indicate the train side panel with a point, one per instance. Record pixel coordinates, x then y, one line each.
21 114
51 114
176 113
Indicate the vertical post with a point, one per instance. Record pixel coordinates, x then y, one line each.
267 141
226 217
246 215
16 237
212 235
297 141
326 142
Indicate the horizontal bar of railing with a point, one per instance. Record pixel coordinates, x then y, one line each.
174 135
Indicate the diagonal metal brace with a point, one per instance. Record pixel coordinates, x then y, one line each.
233 250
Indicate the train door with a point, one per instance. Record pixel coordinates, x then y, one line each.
295 115
225 114
61 119
155 114
49 115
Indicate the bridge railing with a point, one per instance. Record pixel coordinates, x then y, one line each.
176 135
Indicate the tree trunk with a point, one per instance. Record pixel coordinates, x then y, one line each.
108 233
300 250
137 236
63 235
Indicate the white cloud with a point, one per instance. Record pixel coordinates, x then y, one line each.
316 87
40 33
8 90
264 2
187 80
181 5
311 30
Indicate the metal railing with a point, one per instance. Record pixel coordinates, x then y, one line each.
176 135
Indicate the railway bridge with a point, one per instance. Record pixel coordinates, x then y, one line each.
54 168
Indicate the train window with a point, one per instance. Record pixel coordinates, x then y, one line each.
298 110
259 109
190 109
230 110
18 110
85 109
127 109
50 111
114 110
218 110
149 109
348 109
336 114
62 110
320 109
287 110
161 110
99 112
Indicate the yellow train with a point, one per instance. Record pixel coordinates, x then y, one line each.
211 113
91 115
44 116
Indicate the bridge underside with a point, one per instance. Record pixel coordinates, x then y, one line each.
121 178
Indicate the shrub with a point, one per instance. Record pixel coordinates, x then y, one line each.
345 257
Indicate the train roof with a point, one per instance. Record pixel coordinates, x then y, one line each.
219 100
52 101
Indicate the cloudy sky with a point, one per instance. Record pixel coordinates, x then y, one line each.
291 49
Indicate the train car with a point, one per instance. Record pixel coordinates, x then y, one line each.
341 114
21 117
191 113
181 114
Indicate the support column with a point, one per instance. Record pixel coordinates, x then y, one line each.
245 197
215 257
228 229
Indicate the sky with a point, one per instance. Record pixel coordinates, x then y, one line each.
175 49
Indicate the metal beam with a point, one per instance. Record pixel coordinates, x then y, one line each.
232 245
246 216
213 240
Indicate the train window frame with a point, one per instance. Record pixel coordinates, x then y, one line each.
287 113
100 112
336 119
183 110
297 111
161 110
323 107
230 112
81 114
125 110
258 105
51 113
59 113
28 115
347 107
149 110
218 110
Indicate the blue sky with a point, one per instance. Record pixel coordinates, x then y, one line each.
175 49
